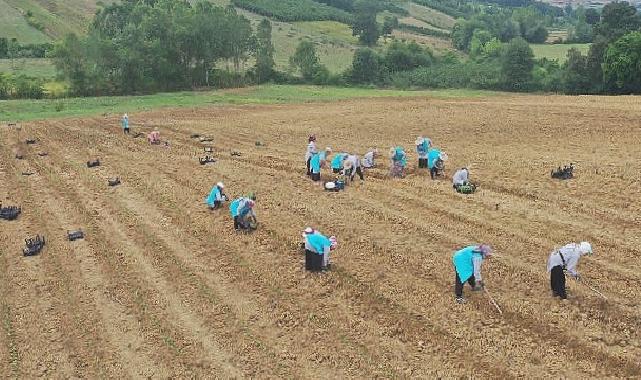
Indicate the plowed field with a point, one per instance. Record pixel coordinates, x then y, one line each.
162 287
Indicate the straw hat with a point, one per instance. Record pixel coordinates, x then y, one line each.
221 185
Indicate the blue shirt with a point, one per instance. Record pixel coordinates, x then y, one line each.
432 156
315 163
464 262
214 195
337 161
318 242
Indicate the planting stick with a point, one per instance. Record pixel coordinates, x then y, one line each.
592 289
492 301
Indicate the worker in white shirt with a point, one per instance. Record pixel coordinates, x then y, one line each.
352 166
564 259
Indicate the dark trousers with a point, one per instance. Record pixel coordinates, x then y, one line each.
126 130
336 170
237 222
313 261
316 177
351 173
216 205
433 172
557 282
309 170
422 163
458 285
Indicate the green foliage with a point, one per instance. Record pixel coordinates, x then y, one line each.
504 24
20 87
264 51
389 24
617 19
449 7
406 56
452 74
479 39
294 10
364 25
517 63
140 47
422 30
592 16
367 67
4 47
576 79
306 61
622 64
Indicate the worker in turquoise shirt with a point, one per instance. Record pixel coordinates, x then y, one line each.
337 162
467 265
216 196
433 156
315 166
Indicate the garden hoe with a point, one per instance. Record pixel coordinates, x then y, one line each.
492 301
581 281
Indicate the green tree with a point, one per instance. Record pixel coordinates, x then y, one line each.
479 39
622 64
305 60
517 63
4 47
617 19
366 66
389 24
70 61
576 79
592 16
264 51
365 25
594 63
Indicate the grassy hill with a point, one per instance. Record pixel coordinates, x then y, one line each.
32 21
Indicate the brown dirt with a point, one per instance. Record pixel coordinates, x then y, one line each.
163 288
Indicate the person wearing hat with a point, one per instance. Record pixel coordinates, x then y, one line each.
352 166
461 178
125 123
317 249
564 259
242 210
423 145
311 150
467 267
216 196
368 159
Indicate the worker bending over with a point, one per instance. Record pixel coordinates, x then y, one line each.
461 178
423 145
352 166
317 249
368 159
242 210
337 162
562 259
216 196
467 265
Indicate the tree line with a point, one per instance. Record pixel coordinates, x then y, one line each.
161 45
